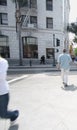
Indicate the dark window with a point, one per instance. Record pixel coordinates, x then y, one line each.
30 47
28 3
49 22
33 20
22 3
3 18
49 4
49 53
3 2
4 46
33 3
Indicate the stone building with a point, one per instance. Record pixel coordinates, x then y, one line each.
43 29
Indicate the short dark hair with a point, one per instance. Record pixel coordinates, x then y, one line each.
64 50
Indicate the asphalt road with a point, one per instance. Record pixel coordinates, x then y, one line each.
43 102
16 74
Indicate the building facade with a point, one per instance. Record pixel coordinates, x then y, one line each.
43 29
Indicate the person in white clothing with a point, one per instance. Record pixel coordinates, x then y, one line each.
4 93
64 61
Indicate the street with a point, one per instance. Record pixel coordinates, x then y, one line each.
43 102
14 74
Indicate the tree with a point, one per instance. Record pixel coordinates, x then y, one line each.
19 4
75 51
73 29
75 39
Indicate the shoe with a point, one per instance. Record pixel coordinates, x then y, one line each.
65 85
12 122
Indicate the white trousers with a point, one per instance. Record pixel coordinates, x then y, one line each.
64 75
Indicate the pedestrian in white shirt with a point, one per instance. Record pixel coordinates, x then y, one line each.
64 61
4 94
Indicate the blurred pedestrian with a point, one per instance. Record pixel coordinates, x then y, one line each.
64 61
42 60
4 94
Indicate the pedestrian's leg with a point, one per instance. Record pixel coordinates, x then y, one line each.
66 76
62 75
3 105
4 113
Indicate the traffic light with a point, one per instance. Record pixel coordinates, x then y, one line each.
57 42
57 50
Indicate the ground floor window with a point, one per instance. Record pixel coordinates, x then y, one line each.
49 53
30 47
4 46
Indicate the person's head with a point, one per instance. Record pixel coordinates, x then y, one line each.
64 50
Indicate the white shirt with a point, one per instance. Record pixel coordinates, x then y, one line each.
4 88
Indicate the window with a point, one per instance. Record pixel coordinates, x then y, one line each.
49 53
3 2
49 5
49 22
22 3
30 47
33 20
3 19
33 3
24 19
4 46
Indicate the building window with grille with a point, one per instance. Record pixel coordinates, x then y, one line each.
30 47
3 2
30 20
33 20
3 18
49 5
49 22
25 20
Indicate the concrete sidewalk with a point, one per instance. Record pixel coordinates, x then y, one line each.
34 68
44 103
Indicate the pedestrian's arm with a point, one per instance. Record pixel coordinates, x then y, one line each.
58 65
75 62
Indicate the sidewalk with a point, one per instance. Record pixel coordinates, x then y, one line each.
45 67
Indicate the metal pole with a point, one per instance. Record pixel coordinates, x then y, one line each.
54 50
20 45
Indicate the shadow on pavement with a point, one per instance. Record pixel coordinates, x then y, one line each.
14 127
70 88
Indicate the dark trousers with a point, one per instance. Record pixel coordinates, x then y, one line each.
4 113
